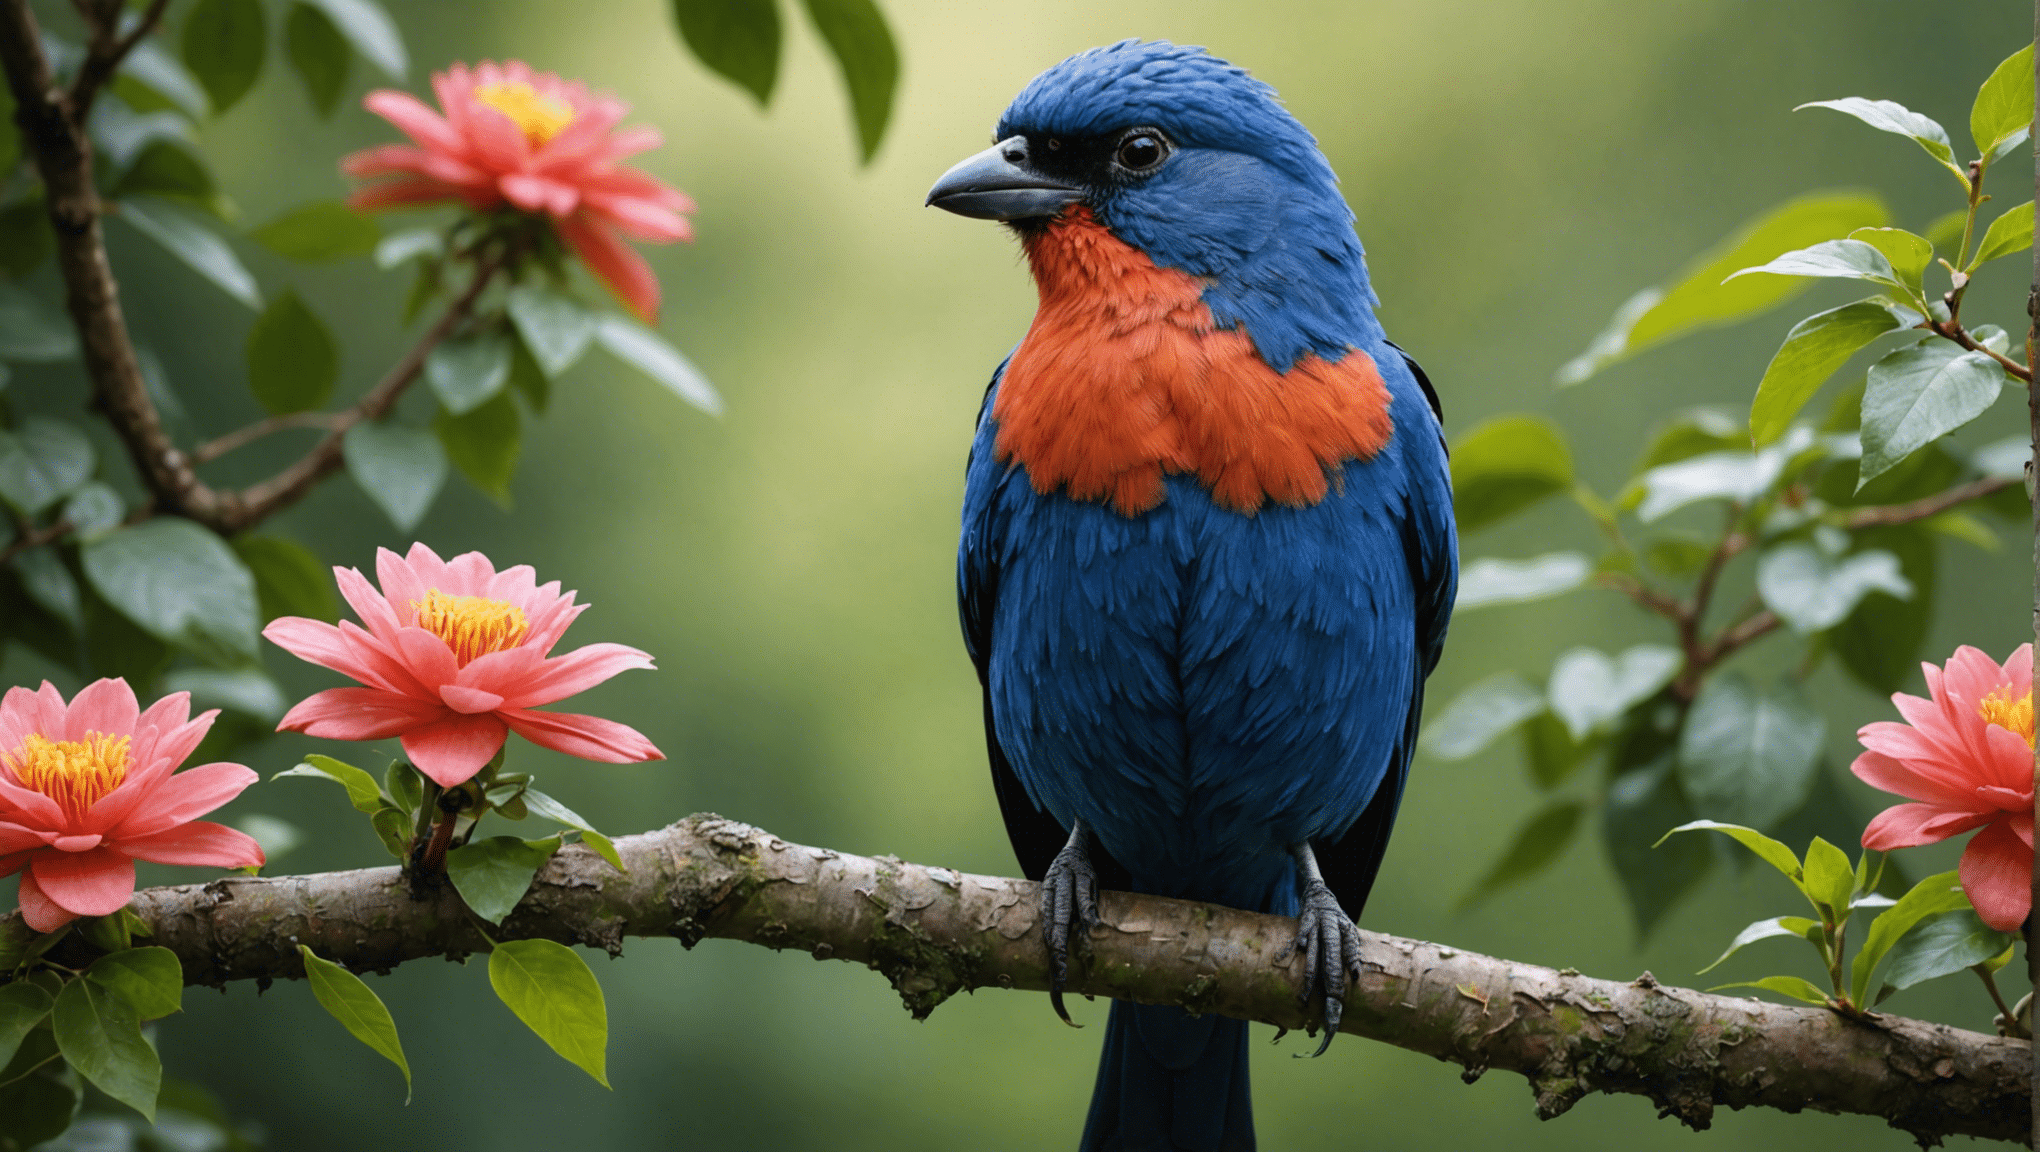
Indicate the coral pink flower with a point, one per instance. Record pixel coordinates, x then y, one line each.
540 144
88 789
454 656
1966 756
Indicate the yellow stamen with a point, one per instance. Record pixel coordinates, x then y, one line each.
539 117
471 625
74 773
2017 715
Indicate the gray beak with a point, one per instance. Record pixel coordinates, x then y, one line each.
996 184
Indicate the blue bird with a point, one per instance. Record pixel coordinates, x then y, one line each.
1207 555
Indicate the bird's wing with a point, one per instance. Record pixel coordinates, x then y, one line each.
1351 863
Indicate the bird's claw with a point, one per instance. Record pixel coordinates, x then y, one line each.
1330 944
1069 898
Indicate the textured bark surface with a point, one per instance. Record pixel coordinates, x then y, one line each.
934 932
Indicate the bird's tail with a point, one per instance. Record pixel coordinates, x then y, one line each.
1168 1081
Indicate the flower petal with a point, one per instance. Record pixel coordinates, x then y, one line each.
40 912
359 714
613 262
413 119
1910 825
200 842
1997 874
577 671
469 700
184 797
1902 778
368 604
15 838
589 737
107 706
452 750
427 657
95 883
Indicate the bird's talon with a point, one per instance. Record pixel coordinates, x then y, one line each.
1069 898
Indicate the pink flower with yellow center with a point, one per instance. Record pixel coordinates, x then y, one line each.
1966 757
454 656
540 144
88 788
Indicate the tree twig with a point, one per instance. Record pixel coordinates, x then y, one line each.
1950 330
107 48
1928 506
934 932
249 433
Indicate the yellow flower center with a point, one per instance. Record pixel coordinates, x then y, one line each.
2017 715
538 116
74 773
471 625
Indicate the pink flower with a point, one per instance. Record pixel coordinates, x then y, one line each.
88 789
1966 756
540 144
453 658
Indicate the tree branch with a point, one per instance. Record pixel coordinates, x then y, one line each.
1950 330
1927 506
933 932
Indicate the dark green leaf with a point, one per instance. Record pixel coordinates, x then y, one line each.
36 1104
223 45
541 805
394 828
1506 464
1476 716
323 230
2004 106
410 244
48 581
648 352
527 379
1768 850
320 55
404 785
484 444
362 791
22 1007
1941 892
468 372
1839 259
1797 926
1699 298
25 240
1541 840
101 1037
293 361
368 27
116 647
32 330
181 584
1796 987
42 462
163 76
556 327
1813 592
1588 688
10 136
738 39
170 170
1828 879
401 468
1641 804
493 874
1492 581
856 35
1920 394
248 691
1880 643
289 578
1896 118
1812 351
148 980
553 992
201 249
1748 757
358 1009
94 510
1945 944
2009 233
1550 752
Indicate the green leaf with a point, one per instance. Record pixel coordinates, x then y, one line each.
223 44
1491 581
470 371
170 170
48 582
1836 259
324 230
1503 465
101 1037
32 330
410 244
1764 930
148 980
2004 105
319 55
362 791
737 39
1896 118
527 379
1828 879
22 1007
1588 688
164 76
94 510
1677 554
368 27
38 1099
1813 592
1907 253
42 462
542 805
602 846
1812 351
290 580
556 328
1881 641
648 352
1700 299
1768 850
25 240
1920 394
1941 892
179 583
184 236
1945 944
248 691
553 992
1549 751
1641 803
493 874
400 467
1476 716
394 829
856 35
1794 986
484 444
293 361
1748 757
358 1009
1541 840
404 785
2009 233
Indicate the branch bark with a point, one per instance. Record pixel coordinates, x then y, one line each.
934 932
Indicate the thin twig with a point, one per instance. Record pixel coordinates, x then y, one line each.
240 437
34 538
106 51
1950 330
1928 506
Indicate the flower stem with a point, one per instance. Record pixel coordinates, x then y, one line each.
2011 1018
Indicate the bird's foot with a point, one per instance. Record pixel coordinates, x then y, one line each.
1330 944
1069 899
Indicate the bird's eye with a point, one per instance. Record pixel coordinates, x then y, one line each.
1054 144
1141 151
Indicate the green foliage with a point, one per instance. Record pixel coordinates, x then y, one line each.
1542 839
289 579
179 583
1918 395
22 1006
856 35
223 46
493 874
1504 465
318 54
2004 106
556 329
1813 591
1813 350
358 1009
1491 581
484 444
2009 233
41 463
148 980
550 988
321 231
1936 894
1476 716
100 1035
37 1099
737 39
368 29
469 371
1942 945
741 41
1896 118
1880 641
401 468
31 330
191 241
1589 690
293 360
169 170
650 353
362 790
1748 756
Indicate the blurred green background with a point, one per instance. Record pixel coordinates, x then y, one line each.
1519 167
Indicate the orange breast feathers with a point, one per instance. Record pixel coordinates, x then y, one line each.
1124 379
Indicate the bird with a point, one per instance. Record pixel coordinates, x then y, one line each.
1207 555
